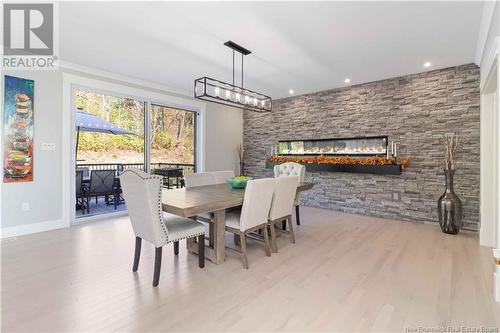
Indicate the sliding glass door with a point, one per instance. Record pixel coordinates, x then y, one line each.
110 137
173 137
95 146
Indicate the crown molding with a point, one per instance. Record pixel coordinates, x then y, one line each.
489 8
85 70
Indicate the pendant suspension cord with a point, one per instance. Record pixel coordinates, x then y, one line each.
242 71
233 68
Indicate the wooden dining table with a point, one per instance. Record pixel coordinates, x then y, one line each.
189 202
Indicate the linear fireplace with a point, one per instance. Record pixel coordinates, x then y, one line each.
359 154
358 146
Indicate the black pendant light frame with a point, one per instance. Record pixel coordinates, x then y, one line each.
220 92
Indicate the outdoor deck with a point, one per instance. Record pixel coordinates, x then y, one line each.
170 180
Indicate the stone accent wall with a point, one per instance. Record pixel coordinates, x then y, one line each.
414 111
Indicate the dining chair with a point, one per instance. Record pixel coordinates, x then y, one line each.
81 192
142 194
102 183
291 169
198 179
85 170
282 206
254 214
202 179
221 177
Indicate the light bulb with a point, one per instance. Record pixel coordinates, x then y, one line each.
255 102
247 100
237 97
228 94
217 92
262 103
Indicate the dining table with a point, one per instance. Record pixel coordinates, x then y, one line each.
215 199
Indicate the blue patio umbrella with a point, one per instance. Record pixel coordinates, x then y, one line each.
87 122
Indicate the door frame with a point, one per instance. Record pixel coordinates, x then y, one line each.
490 161
119 89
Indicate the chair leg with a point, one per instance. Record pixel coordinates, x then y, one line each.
273 238
201 251
156 275
243 246
290 224
176 248
297 214
266 240
88 205
137 254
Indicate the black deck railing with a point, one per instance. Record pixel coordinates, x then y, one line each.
186 168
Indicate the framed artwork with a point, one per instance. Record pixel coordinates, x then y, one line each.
18 129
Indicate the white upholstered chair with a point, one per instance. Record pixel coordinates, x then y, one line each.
292 169
282 206
142 194
199 179
254 214
207 178
221 177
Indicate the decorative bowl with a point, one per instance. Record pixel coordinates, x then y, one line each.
238 182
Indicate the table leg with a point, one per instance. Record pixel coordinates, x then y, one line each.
220 232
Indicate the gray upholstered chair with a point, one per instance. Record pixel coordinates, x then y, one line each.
254 214
282 206
292 169
142 194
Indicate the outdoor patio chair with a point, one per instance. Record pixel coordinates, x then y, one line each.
102 183
82 198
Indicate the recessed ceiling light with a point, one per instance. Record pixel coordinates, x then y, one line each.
347 80
427 64
290 91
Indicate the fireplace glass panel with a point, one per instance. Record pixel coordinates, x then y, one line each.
368 146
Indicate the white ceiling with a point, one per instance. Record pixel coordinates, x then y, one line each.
304 46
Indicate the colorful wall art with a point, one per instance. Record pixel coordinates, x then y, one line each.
18 129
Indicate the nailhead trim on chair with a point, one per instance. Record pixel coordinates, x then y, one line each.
160 210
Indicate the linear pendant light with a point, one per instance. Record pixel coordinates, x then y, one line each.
221 92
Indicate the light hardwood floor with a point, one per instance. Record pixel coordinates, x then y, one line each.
345 273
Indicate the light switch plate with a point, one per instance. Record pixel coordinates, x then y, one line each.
48 146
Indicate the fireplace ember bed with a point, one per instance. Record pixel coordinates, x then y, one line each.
359 155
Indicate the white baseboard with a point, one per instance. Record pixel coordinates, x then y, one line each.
496 278
93 218
32 228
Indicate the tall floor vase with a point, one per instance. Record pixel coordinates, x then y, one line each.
450 207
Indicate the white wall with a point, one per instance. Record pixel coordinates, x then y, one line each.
48 193
224 133
489 161
44 193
